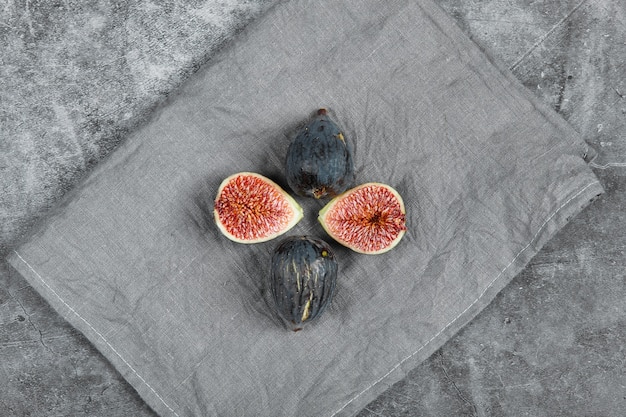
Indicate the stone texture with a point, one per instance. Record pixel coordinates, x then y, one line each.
75 77
49 369
551 344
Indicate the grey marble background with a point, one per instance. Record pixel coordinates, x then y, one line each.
76 77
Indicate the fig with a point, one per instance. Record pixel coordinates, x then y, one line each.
369 218
250 208
319 160
302 279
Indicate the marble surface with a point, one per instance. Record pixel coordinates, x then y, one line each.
76 77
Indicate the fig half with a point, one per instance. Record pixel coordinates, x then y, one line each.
250 208
369 218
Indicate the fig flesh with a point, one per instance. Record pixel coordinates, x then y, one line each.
302 279
250 208
319 160
369 218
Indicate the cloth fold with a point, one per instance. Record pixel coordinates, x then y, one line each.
488 173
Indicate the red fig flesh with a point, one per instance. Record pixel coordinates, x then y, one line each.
250 208
369 218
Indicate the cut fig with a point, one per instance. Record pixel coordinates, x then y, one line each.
250 208
369 218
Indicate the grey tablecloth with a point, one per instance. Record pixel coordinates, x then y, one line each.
133 260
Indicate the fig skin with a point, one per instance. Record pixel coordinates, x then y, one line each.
302 279
319 160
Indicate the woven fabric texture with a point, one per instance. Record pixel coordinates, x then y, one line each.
133 259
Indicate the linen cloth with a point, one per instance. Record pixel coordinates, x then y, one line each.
133 259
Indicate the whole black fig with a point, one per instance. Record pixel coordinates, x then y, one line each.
319 160
302 279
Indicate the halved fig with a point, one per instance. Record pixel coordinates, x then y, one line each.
369 218
250 208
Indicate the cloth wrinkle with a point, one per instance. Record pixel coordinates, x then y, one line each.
487 175
473 302
130 367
